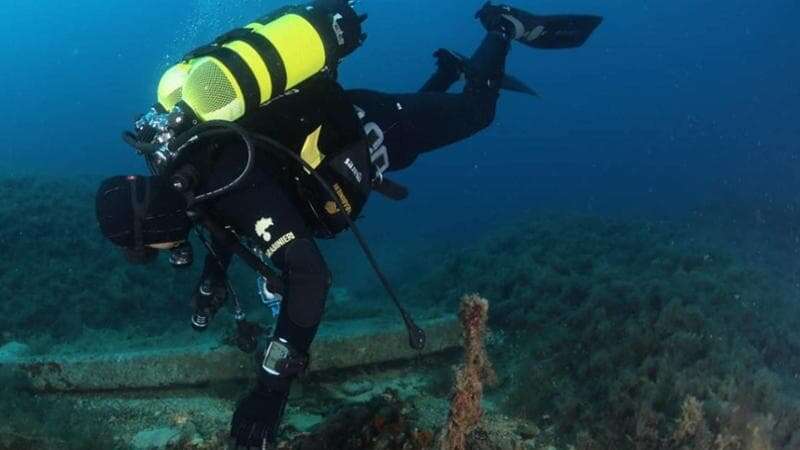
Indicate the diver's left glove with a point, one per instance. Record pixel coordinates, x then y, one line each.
257 418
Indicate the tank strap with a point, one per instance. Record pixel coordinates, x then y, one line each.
199 52
271 57
232 35
242 73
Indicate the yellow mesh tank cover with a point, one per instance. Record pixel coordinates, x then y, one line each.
212 92
170 88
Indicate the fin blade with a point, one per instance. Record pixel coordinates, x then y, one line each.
514 84
391 190
559 31
508 83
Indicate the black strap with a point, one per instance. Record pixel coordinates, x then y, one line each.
232 35
139 207
271 57
390 189
292 365
198 52
243 75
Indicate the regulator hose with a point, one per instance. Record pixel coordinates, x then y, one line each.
416 335
210 129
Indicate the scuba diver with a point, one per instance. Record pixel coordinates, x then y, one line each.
255 146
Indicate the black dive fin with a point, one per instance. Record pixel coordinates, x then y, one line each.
390 189
544 32
508 83
514 84
558 32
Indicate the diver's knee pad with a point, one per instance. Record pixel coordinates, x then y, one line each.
308 280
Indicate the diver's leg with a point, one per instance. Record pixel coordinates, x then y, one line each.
403 126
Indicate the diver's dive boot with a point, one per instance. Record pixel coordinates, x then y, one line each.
453 65
543 32
485 69
449 69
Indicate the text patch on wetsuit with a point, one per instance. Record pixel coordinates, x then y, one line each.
379 154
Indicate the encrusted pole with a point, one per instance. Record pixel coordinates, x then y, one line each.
465 404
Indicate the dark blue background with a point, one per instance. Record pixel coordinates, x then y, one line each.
671 105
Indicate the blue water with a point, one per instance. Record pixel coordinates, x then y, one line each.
669 105
674 108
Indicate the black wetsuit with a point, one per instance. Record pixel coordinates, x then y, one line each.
271 210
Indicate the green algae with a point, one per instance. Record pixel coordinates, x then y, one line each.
612 324
603 330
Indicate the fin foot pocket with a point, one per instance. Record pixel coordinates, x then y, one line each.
462 65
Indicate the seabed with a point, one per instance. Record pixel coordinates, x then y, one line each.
364 381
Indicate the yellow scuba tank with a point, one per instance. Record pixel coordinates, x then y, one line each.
247 67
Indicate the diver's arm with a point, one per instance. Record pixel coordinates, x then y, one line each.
264 213
258 415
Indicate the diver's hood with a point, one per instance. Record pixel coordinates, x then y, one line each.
159 209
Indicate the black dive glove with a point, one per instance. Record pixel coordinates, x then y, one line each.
257 417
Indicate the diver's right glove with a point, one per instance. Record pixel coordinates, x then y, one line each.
257 418
258 415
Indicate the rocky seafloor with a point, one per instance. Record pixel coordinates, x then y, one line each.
606 334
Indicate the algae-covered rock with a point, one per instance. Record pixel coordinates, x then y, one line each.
355 343
611 324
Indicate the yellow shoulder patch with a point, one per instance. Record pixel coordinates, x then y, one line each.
310 152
